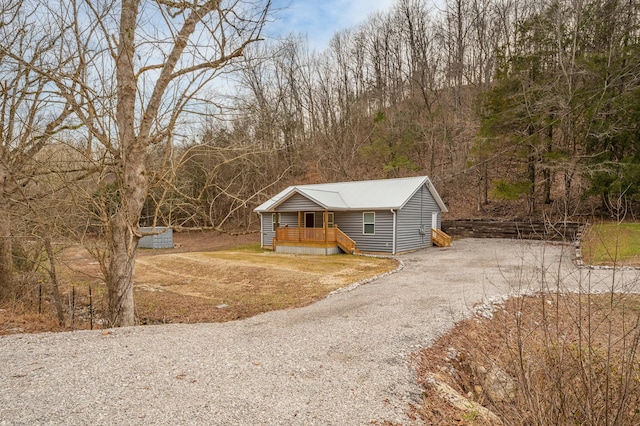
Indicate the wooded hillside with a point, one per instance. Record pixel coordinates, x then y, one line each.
514 108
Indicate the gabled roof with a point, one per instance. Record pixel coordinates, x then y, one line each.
359 195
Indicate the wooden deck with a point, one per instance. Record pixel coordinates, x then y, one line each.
315 237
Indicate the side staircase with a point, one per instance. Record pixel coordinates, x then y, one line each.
345 242
439 238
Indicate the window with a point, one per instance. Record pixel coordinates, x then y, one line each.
275 220
330 220
369 223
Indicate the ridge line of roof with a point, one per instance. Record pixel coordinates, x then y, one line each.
361 181
319 190
338 189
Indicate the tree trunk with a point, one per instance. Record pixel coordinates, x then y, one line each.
568 180
547 169
124 236
532 180
6 257
123 226
485 183
57 301
121 270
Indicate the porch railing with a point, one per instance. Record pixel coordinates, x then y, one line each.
292 234
345 242
288 234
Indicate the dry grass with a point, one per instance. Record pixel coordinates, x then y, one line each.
227 285
573 359
202 280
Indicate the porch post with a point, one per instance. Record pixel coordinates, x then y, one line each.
326 227
299 226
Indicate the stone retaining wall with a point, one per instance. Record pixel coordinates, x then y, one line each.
471 228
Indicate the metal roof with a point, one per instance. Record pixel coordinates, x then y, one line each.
358 195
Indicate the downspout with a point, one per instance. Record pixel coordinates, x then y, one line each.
261 231
393 244
421 208
422 232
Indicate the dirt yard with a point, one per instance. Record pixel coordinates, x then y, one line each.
207 277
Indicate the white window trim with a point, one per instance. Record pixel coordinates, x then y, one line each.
331 223
369 223
274 221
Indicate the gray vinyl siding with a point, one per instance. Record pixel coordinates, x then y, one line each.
416 215
382 241
298 203
267 230
268 234
289 218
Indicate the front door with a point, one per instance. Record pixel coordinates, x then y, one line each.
309 224
310 220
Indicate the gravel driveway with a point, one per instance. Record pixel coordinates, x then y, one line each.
340 361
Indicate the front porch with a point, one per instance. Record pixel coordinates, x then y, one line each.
302 240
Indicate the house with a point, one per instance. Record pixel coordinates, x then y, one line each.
388 216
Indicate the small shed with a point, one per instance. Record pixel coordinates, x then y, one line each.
156 238
387 216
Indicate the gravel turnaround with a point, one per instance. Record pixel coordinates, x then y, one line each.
341 361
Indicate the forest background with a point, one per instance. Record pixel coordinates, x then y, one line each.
514 108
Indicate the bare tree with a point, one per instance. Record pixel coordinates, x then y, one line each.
30 115
133 71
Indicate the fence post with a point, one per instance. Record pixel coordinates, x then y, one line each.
73 305
90 309
39 297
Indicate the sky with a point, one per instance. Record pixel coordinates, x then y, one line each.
320 19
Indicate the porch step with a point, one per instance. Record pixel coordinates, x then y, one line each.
345 242
350 250
440 238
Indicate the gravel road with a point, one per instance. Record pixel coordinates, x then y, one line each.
341 361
